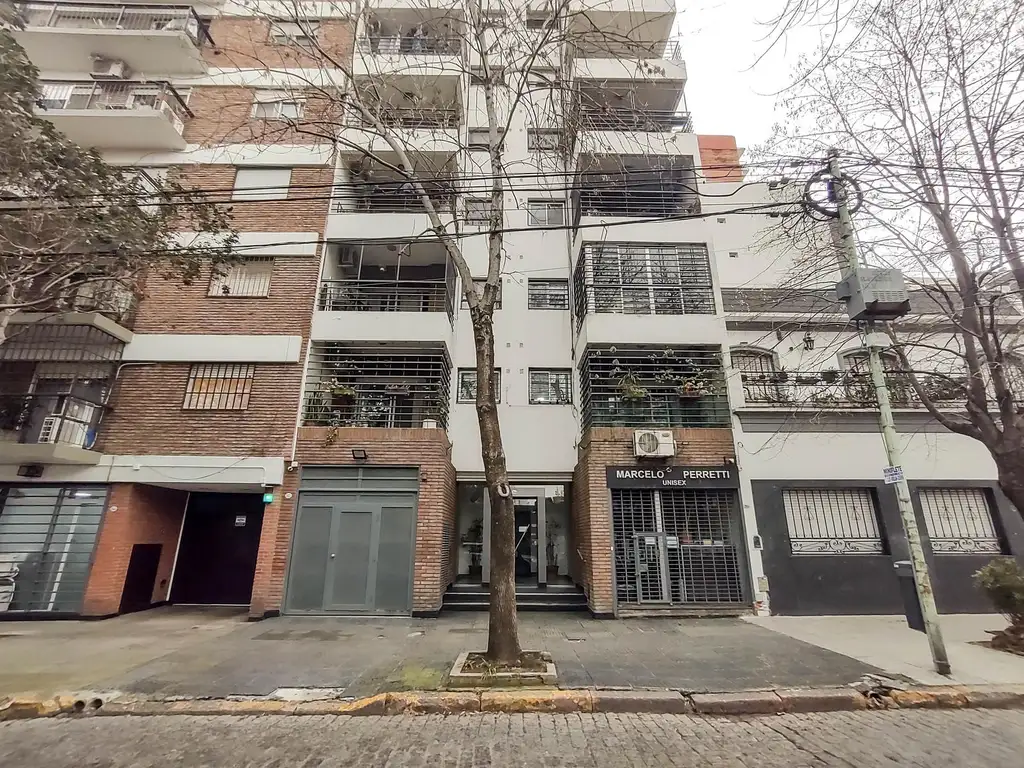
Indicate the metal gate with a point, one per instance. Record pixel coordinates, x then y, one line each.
676 547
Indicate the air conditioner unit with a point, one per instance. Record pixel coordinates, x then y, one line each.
653 442
109 69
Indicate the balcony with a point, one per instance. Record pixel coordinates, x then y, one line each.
156 39
116 114
834 390
635 120
48 429
366 385
422 130
390 293
646 194
409 42
653 386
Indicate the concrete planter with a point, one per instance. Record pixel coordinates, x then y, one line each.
458 678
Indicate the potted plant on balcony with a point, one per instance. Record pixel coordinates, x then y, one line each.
830 376
630 388
780 376
341 393
692 388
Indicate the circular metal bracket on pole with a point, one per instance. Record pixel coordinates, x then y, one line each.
829 206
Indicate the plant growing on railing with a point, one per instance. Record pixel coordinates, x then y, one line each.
341 391
780 376
630 387
807 379
830 376
824 397
942 388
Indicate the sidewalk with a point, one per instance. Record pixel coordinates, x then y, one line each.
886 642
179 652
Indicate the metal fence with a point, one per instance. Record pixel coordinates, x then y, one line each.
959 521
353 385
426 44
659 193
653 387
642 120
387 296
832 521
120 95
391 197
58 419
425 118
834 389
161 18
676 547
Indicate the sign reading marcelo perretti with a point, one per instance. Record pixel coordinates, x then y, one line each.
673 477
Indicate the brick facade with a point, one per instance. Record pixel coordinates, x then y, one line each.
427 449
223 115
136 514
601 447
246 43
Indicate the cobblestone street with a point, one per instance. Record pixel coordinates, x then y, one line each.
931 739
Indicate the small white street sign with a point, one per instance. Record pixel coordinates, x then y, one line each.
892 475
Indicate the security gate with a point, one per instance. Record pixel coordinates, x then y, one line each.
676 547
352 550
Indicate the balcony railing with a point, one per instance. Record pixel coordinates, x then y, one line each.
161 18
122 95
428 118
387 296
422 45
59 419
636 120
643 299
642 203
387 198
836 390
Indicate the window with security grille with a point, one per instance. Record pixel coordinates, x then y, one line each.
219 387
959 521
647 279
467 386
478 211
251 277
676 547
832 521
547 294
479 139
543 140
759 375
550 386
545 213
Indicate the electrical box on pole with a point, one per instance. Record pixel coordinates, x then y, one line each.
874 294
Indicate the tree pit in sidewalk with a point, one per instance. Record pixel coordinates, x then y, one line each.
472 669
1010 639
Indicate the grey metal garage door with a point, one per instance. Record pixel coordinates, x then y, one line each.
352 552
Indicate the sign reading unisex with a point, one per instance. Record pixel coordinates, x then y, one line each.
673 477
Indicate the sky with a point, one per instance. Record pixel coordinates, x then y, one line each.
726 92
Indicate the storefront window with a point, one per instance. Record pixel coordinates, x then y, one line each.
470 531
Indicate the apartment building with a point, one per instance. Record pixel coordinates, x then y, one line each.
142 448
825 528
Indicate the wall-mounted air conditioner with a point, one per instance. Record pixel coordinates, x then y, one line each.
648 443
109 69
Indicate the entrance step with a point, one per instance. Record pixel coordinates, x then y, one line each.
529 597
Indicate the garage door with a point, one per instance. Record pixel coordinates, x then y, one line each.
352 555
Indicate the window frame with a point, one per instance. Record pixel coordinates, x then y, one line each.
566 372
942 540
476 146
531 296
635 278
262 279
533 135
278 100
308 31
472 221
547 205
269 192
834 542
238 396
472 371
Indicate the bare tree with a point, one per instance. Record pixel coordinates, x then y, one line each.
519 58
77 233
926 101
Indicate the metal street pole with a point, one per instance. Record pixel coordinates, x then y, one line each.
922 578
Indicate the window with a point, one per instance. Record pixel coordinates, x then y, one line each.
294 33
650 279
479 139
261 183
759 375
467 385
543 140
545 213
277 105
547 294
959 521
218 387
476 76
478 283
251 277
537 23
478 211
550 386
832 521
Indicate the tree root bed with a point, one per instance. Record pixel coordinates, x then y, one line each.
528 662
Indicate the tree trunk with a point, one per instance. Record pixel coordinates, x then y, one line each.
1010 468
503 624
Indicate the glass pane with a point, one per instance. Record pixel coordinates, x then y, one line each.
309 558
394 559
470 531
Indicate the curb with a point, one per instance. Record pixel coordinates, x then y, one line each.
533 700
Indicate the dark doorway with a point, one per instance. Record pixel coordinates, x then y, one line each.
140 580
219 544
526 538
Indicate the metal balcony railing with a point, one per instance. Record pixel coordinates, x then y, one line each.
61 419
162 18
426 118
642 203
834 389
386 198
418 45
387 296
121 95
639 120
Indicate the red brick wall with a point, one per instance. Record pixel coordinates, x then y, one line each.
222 114
245 42
591 509
427 449
720 158
136 514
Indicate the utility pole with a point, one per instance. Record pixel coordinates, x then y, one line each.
922 579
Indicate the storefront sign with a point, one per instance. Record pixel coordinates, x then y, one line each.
673 477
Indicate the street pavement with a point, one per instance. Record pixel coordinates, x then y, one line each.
926 738
175 652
